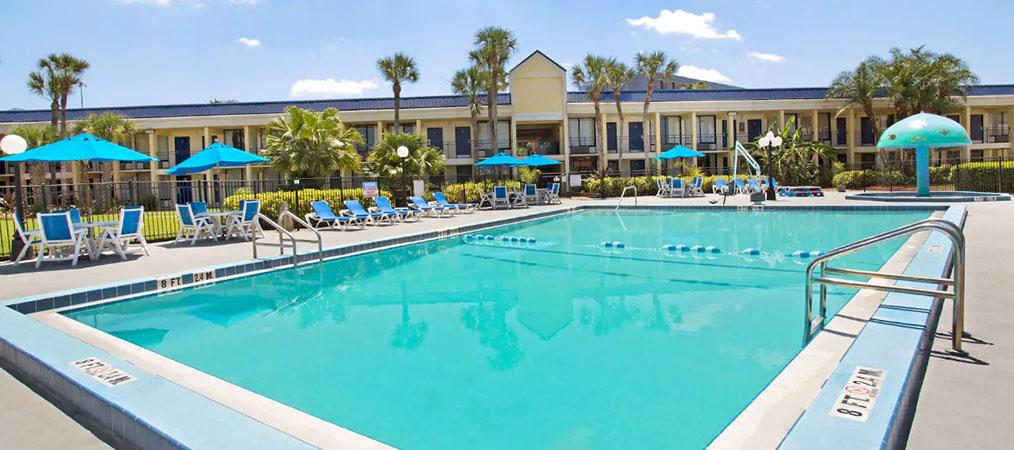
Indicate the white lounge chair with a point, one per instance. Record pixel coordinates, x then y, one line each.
191 227
57 231
118 238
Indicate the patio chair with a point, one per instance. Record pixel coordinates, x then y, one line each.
676 187
753 185
57 232
246 223
322 214
75 214
192 226
29 239
426 208
355 209
554 194
741 187
384 206
697 187
466 207
720 187
118 238
531 194
663 187
500 197
198 207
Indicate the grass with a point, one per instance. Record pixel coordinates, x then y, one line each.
158 225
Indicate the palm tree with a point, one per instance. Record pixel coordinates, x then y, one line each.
494 46
653 66
113 128
858 87
921 80
593 75
618 74
37 137
422 160
56 79
44 84
698 86
307 143
397 69
471 83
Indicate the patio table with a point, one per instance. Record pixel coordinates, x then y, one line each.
220 219
93 254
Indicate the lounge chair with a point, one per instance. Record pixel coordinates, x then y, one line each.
193 226
322 214
531 194
246 223
355 209
553 194
697 187
58 233
741 186
198 207
384 206
753 185
676 187
129 229
720 187
426 208
29 239
500 197
466 207
663 187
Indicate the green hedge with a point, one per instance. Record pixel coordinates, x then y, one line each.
473 190
981 175
613 186
861 179
270 201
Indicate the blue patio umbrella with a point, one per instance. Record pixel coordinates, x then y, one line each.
536 159
500 159
217 155
679 151
83 147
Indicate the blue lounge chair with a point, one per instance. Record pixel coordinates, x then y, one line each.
384 206
741 187
322 214
466 207
355 209
753 185
426 208
720 187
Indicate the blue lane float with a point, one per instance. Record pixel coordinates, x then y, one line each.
469 238
805 254
751 251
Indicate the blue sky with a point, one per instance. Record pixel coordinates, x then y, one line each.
189 51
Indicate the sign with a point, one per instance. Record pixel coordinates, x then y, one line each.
859 394
418 188
370 189
575 181
167 282
204 277
102 372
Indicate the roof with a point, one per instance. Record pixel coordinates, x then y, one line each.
691 95
247 108
537 53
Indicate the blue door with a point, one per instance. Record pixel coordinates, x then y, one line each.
463 142
866 131
435 137
753 129
184 193
636 140
611 137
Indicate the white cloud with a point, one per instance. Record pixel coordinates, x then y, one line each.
330 88
702 74
769 57
682 22
249 42
155 2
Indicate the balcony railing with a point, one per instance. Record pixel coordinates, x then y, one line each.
502 144
581 141
866 139
673 140
135 165
1000 133
452 151
549 146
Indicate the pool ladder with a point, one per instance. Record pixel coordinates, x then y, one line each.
622 194
957 279
292 239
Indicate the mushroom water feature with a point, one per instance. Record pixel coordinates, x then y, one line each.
922 132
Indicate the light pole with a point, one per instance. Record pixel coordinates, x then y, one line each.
768 142
13 144
403 154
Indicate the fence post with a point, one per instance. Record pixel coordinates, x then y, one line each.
133 193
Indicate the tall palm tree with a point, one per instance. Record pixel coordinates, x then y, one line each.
618 74
44 84
37 136
113 128
398 69
593 74
494 46
471 83
653 66
422 159
858 87
56 79
307 143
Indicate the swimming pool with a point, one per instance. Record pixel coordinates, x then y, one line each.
450 344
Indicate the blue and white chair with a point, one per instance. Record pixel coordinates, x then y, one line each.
553 194
355 209
58 235
531 194
426 208
500 197
753 185
676 188
741 187
663 187
75 214
697 188
119 238
246 224
193 227
720 187
322 213
198 207
384 206
442 201
29 239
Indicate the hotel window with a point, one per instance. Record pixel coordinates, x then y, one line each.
369 134
141 143
582 132
503 135
406 128
706 127
235 138
672 130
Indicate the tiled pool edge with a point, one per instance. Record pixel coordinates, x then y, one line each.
896 339
45 302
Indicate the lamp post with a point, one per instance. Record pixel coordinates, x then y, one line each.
403 154
768 142
12 145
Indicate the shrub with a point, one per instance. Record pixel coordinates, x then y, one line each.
471 192
271 201
613 186
982 176
852 179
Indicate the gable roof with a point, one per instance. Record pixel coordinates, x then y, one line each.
537 52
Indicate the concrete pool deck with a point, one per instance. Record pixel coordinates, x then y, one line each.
985 281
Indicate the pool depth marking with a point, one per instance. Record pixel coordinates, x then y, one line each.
859 395
104 373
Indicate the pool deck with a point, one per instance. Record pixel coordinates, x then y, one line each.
958 406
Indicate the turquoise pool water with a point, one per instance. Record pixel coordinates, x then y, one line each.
557 344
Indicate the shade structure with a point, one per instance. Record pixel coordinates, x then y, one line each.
923 131
83 147
535 160
679 151
217 155
500 159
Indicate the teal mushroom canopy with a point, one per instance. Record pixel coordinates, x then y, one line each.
924 130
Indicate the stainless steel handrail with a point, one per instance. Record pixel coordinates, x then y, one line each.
624 193
292 239
957 280
320 240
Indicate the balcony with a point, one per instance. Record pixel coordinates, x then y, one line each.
135 165
502 145
672 140
997 134
549 146
711 142
865 139
451 150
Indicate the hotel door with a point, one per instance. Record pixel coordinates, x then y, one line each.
753 129
184 193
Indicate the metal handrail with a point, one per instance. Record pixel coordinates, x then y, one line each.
957 280
320 240
622 194
292 239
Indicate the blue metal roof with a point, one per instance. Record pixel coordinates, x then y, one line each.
690 95
244 108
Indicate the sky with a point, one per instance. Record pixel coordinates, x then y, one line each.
145 52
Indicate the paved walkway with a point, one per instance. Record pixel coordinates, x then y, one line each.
29 422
